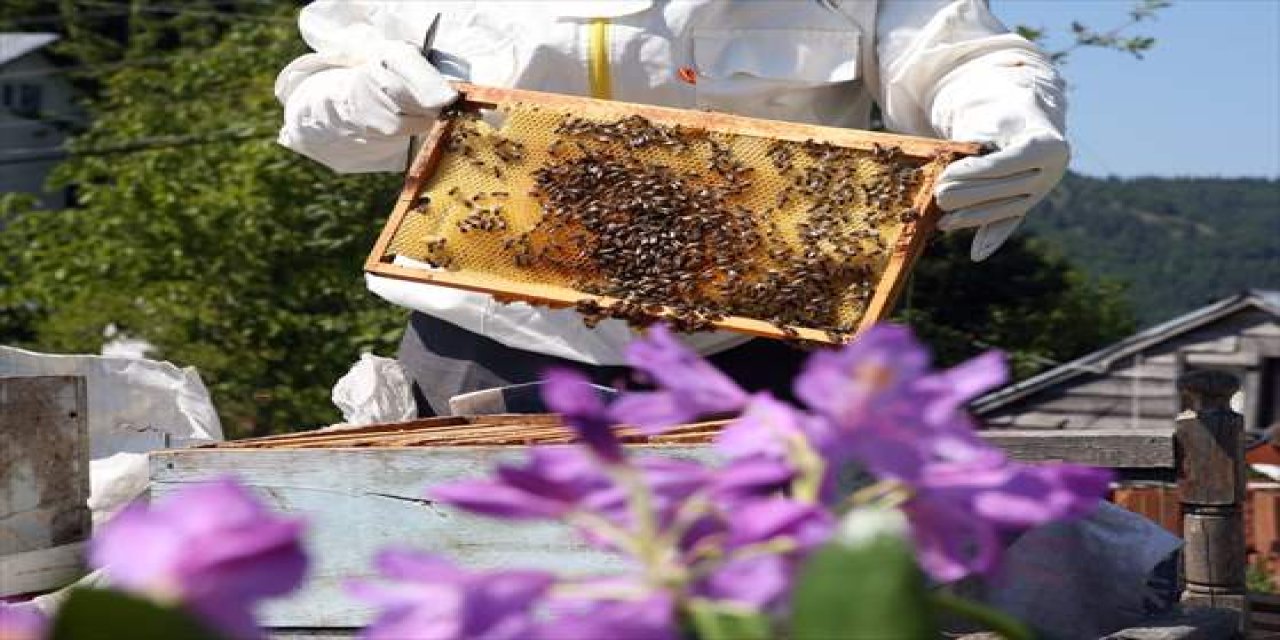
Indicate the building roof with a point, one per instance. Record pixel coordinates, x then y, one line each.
15 45
1100 361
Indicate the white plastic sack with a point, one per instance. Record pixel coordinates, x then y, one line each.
135 406
374 391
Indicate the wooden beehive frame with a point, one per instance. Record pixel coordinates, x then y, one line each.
936 153
459 431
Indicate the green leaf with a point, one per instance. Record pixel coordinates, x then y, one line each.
720 621
90 614
997 621
864 585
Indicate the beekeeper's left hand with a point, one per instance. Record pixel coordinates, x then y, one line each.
993 192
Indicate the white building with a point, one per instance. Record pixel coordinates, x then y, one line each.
36 104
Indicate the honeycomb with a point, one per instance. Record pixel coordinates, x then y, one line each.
665 221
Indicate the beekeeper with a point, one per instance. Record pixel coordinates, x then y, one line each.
938 68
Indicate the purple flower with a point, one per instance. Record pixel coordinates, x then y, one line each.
22 622
1015 496
570 394
960 511
754 575
428 598
212 547
875 368
689 387
950 542
670 482
805 525
905 423
550 484
746 478
650 618
759 581
882 382
772 428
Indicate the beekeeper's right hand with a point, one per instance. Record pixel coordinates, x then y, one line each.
369 109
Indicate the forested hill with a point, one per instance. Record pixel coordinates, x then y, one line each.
1179 243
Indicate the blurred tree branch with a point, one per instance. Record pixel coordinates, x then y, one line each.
1112 39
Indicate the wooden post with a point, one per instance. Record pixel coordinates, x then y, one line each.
1211 475
44 481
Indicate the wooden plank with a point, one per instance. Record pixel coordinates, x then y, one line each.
720 122
907 249
1127 448
44 463
1264 506
1183 624
557 300
1118 385
415 178
1036 420
41 570
1163 406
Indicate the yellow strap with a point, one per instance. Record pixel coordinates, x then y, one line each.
598 60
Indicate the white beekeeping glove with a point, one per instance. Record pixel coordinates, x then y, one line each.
359 118
993 192
1014 100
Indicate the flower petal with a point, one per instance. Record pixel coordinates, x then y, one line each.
22 622
652 618
692 386
844 385
570 394
498 500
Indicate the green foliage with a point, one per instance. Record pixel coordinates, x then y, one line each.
1258 577
203 236
722 621
90 614
862 586
1026 300
1179 243
1085 36
1004 625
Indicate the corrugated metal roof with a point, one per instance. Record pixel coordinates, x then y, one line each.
16 45
1099 361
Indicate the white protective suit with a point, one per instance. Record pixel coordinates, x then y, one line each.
940 68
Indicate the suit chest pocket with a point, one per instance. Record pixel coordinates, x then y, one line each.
784 74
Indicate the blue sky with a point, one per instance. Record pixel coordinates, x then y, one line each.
1204 102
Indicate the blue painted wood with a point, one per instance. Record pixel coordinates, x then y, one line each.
357 501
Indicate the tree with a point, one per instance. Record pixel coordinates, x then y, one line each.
195 231
1026 300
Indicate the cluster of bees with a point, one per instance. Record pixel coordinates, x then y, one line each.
681 246
460 140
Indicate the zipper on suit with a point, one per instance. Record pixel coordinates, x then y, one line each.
598 75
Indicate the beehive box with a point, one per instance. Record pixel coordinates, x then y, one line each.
704 220
363 489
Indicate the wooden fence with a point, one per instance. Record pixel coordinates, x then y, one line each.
1160 503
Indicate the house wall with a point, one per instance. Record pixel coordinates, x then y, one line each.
1139 391
22 137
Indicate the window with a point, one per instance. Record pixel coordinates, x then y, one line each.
1269 416
23 99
